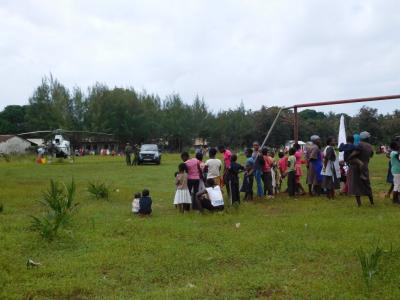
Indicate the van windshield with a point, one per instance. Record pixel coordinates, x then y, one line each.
149 148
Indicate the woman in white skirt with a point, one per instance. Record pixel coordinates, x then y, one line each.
182 195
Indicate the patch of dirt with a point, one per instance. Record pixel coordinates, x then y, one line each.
75 294
78 294
269 293
272 210
382 195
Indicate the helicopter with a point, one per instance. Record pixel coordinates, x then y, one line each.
58 143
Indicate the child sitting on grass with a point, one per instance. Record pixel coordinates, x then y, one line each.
211 197
135 203
145 203
182 195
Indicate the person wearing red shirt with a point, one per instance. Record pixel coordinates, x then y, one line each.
227 164
267 174
299 172
282 167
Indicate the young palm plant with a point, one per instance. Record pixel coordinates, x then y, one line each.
99 190
6 157
369 263
59 205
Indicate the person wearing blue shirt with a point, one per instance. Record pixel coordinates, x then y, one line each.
258 166
145 203
357 139
248 178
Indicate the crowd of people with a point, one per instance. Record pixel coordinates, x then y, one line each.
200 184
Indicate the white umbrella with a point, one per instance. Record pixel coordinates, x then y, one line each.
342 136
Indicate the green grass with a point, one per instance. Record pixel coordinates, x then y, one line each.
284 248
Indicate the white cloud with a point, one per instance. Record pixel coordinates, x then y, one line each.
261 52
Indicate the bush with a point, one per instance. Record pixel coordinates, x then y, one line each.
59 204
6 157
1 207
369 263
99 190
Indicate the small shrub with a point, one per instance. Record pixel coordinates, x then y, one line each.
99 190
59 204
1 207
6 157
369 263
46 226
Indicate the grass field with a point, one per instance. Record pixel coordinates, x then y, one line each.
283 249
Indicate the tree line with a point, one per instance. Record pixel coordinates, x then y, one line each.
140 117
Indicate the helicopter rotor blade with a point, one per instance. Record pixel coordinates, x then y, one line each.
87 132
35 132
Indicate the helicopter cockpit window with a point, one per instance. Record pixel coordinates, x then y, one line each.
57 141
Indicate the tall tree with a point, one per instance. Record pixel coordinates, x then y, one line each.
12 119
140 117
390 126
79 109
369 120
263 120
177 123
200 118
151 127
50 106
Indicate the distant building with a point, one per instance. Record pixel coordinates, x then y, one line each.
11 144
290 144
97 143
198 142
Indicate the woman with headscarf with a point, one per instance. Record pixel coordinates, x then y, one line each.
357 185
314 165
330 169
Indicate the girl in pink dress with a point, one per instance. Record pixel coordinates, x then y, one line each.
299 171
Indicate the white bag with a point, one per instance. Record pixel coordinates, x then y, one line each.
215 196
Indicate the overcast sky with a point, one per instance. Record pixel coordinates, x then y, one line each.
259 52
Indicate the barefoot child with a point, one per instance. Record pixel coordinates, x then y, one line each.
282 168
299 171
233 174
267 173
182 195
